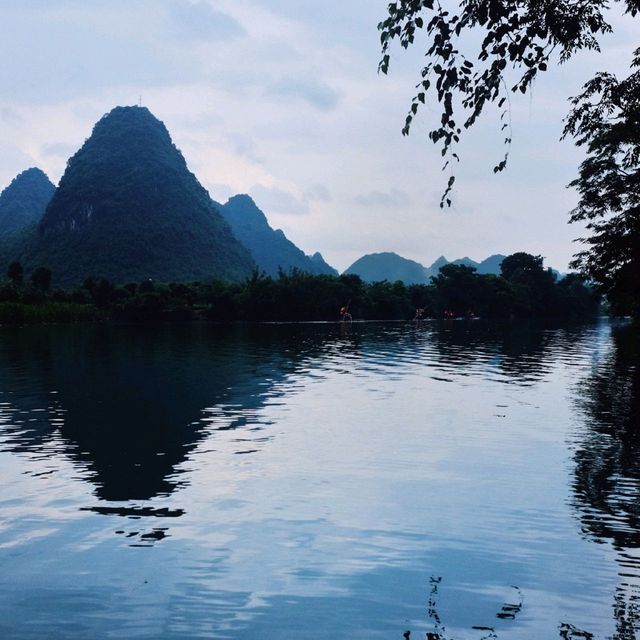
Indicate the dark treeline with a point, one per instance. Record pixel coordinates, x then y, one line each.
524 289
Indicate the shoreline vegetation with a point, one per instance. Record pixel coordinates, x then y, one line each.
524 290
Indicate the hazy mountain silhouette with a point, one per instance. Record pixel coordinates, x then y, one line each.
127 209
270 249
435 267
24 201
491 264
375 267
467 262
322 265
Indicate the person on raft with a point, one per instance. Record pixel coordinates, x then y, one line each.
345 316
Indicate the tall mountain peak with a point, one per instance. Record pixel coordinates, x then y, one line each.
128 208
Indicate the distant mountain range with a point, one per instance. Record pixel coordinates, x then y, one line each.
271 250
375 267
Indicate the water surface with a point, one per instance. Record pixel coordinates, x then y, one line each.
317 481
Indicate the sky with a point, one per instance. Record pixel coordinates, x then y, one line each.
281 99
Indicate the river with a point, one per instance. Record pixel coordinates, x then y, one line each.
320 481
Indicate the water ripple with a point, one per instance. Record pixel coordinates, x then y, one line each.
312 480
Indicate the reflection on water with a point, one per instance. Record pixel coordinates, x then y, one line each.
508 611
607 475
132 404
128 402
310 480
607 466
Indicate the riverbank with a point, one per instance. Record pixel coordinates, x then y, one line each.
294 297
22 313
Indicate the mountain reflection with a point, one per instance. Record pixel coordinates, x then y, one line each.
130 403
127 402
607 467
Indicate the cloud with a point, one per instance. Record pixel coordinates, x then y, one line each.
318 94
200 21
392 198
72 50
221 192
12 161
275 200
60 149
10 116
317 192
244 147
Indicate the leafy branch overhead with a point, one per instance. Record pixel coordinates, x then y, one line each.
606 120
515 34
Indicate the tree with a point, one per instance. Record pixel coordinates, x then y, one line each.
41 279
101 290
606 119
515 266
458 289
576 296
532 283
15 273
520 37
521 34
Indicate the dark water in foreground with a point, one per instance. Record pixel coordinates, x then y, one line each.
306 482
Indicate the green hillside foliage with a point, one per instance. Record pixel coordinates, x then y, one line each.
127 208
24 202
271 250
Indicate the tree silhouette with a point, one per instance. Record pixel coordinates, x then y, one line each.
606 120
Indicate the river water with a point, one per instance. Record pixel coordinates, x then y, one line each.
319 481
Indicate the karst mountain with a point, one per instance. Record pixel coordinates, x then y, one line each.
128 209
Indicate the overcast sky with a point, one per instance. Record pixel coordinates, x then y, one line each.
281 99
